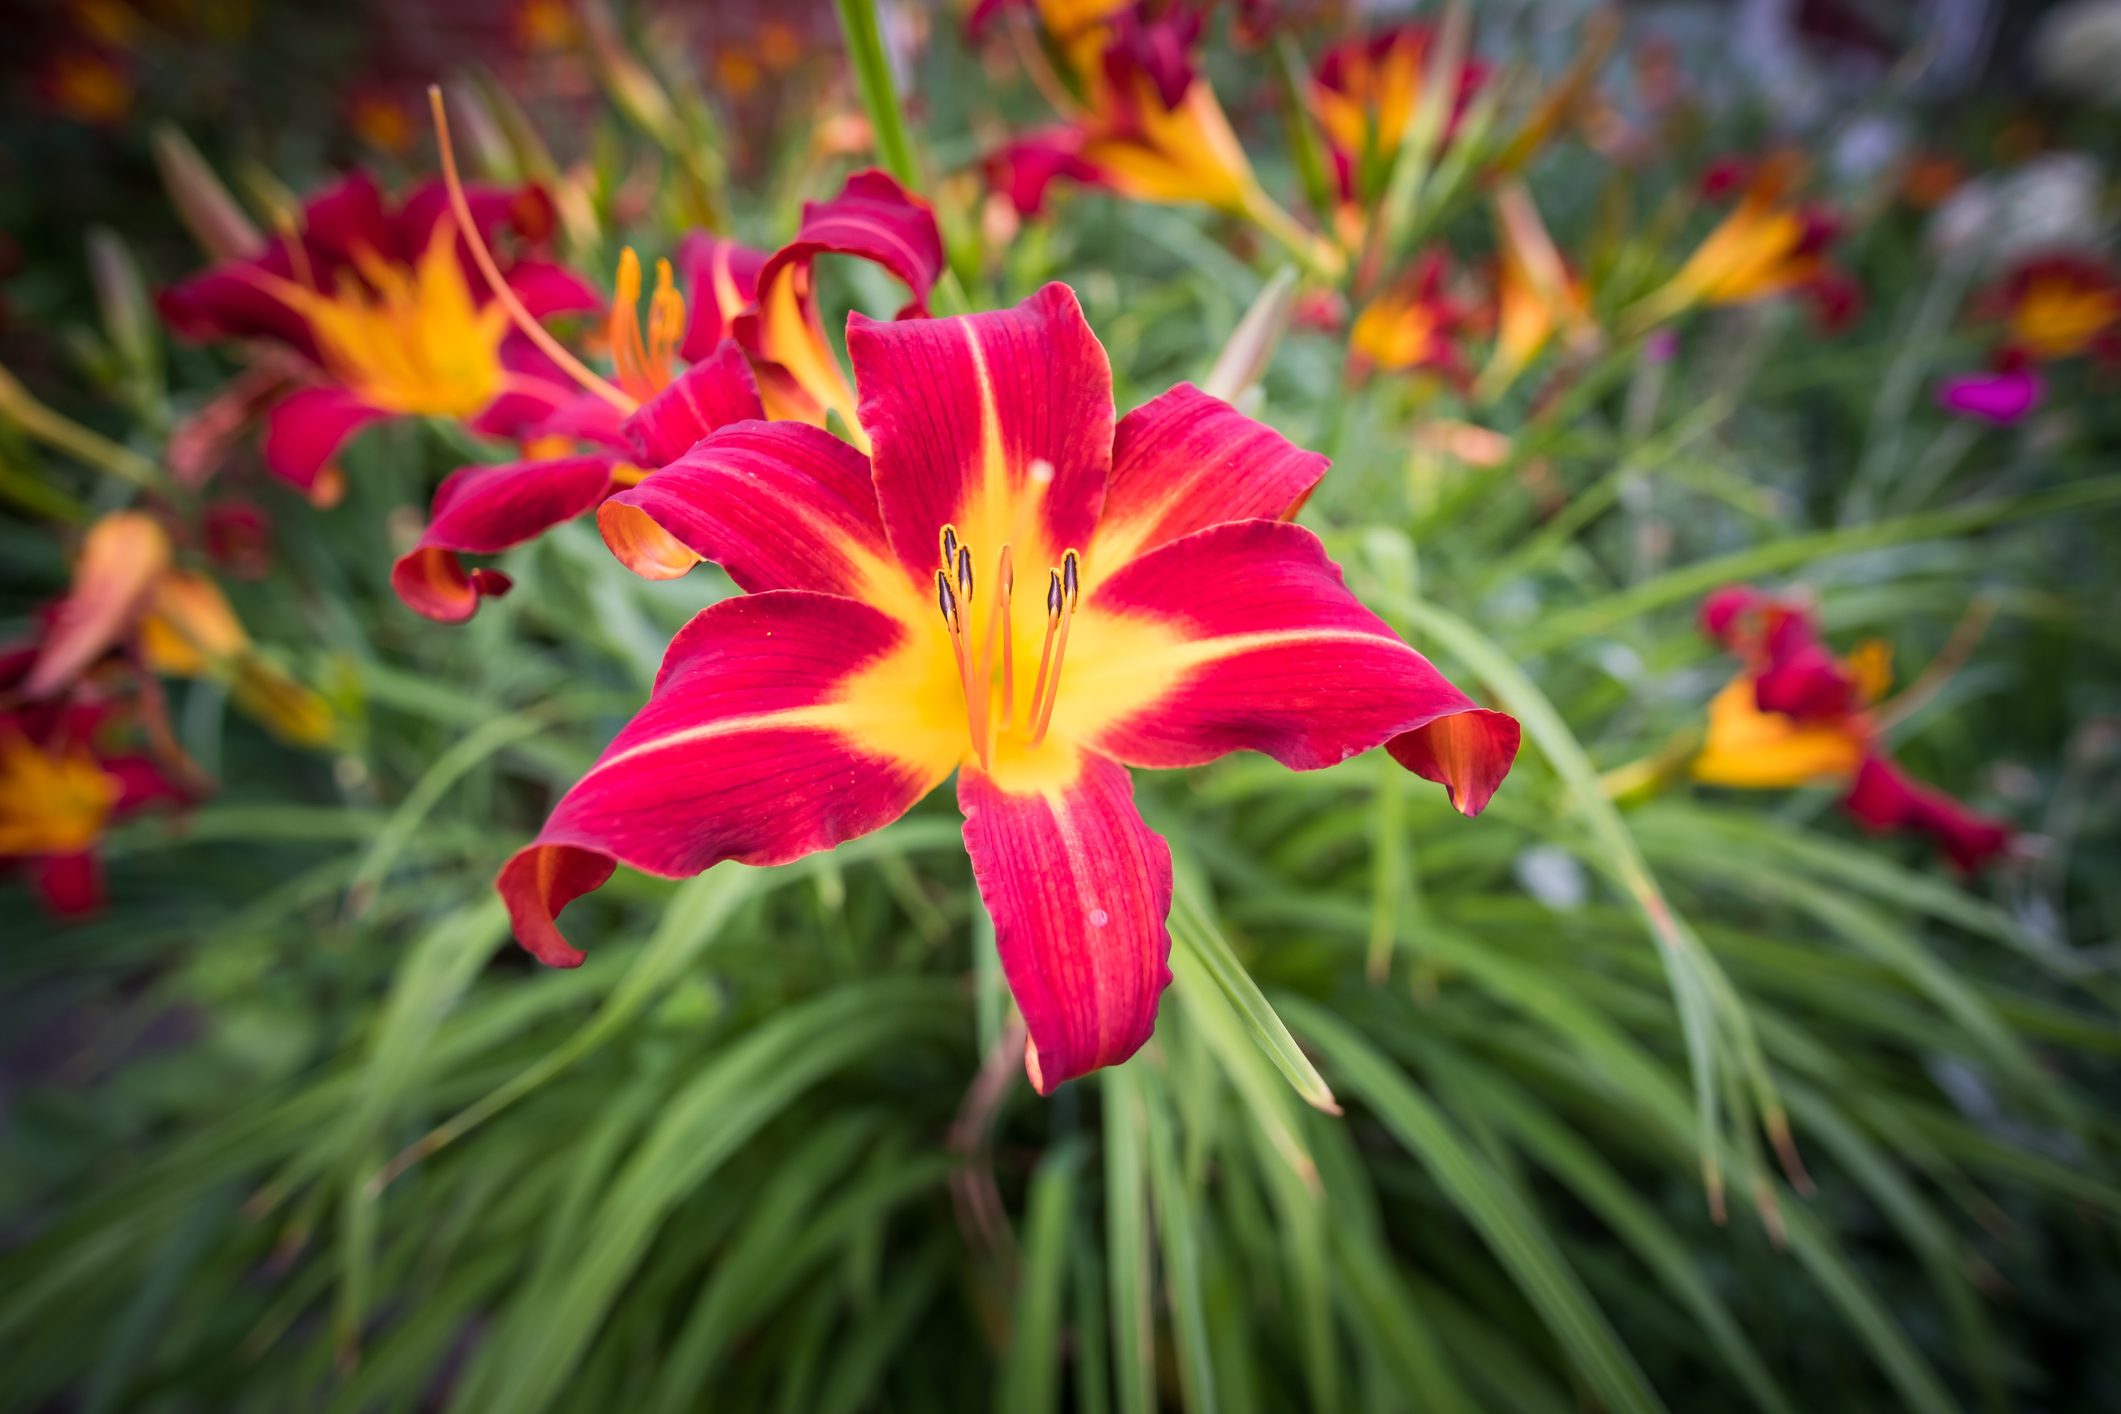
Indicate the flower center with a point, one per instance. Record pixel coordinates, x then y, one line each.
52 803
985 677
409 339
645 364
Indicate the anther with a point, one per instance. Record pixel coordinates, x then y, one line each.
945 600
964 572
1063 589
949 547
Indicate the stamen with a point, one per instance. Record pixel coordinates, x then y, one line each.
946 601
483 258
954 619
949 539
1045 653
666 324
1070 582
623 331
964 574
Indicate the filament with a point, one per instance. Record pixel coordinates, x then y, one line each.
483 258
1068 579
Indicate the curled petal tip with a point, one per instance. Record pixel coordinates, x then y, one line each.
1468 753
539 881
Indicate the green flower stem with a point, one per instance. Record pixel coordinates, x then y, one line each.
48 427
872 74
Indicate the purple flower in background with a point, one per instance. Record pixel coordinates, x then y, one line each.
2001 397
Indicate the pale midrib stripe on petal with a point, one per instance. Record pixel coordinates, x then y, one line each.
813 716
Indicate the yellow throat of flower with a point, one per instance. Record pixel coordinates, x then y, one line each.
2058 317
50 803
414 340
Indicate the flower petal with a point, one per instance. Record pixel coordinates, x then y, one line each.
305 430
1185 461
720 279
1749 749
780 505
1260 647
122 557
714 392
746 750
1885 798
1000 423
68 885
1079 889
1999 398
484 510
547 288
873 217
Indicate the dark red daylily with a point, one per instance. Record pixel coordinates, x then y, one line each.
1416 323
1170 616
1141 120
755 348
386 308
1798 714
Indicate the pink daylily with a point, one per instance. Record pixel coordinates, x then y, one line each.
1170 615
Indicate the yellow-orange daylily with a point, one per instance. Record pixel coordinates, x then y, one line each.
1767 245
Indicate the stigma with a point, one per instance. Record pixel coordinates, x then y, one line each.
985 648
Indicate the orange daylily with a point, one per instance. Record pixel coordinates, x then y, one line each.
1768 245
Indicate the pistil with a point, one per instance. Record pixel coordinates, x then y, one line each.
998 623
498 286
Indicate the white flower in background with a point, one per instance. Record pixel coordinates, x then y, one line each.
2048 203
2077 49
1866 148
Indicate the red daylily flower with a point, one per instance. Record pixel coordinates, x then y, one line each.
756 349
387 309
1416 323
1364 93
1145 124
1170 616
2058 305
60 789
1799 715
63 778
2052 306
